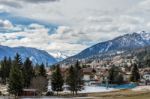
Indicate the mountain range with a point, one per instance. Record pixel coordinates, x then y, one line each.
36 55
119 44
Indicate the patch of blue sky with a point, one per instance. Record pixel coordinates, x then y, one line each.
52 30
23 22
16 19
5 30
20 37
16 38
83 42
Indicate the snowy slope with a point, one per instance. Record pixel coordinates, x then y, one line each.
37 56
59 56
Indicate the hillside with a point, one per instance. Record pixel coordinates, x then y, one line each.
118 45
37 56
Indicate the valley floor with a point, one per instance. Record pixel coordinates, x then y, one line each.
139 92
123 94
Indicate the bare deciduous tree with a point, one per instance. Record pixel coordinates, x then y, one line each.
40 83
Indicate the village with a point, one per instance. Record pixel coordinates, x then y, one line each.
96 76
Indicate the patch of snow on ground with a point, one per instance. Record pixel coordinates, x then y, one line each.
92 89
108 46
3 89
141 88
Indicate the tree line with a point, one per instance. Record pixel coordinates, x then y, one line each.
18 74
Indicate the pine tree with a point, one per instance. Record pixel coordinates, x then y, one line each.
147 60
135 76
74 79
27 72
78 75
119 79
114 75
9 64
71 79
15 78
57 80
5 69
42 71
18 61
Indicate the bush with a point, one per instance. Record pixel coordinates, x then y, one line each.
49 93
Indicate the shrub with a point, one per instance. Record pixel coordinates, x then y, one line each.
49 93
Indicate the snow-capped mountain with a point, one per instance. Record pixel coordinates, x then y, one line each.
37 56
59 56
118 44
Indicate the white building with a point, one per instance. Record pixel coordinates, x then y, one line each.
146 76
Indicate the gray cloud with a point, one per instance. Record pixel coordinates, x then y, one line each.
20 3
11 4
39 1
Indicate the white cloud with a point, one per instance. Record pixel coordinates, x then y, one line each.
37 36
6 24
36 26
3 9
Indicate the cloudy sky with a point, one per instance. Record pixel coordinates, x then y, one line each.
69 26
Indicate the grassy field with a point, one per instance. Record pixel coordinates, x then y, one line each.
125 97
124 94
